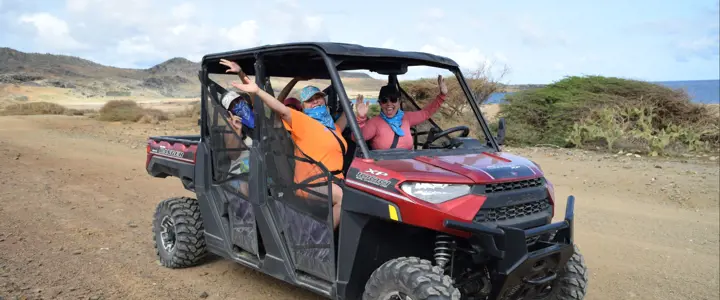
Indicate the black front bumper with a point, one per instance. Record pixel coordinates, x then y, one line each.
520 268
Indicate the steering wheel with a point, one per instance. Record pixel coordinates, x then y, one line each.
433 136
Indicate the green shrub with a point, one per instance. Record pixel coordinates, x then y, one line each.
610 113
373 110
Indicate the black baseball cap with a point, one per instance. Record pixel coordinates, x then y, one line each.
388 91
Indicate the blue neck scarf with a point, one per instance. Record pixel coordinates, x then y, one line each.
243 111
395 122
322 115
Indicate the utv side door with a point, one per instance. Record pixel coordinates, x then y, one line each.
227 172
304 224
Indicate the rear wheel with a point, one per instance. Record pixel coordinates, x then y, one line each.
406 278
178 233
571 284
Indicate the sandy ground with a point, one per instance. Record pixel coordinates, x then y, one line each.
77 205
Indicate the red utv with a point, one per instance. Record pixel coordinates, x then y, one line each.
454 218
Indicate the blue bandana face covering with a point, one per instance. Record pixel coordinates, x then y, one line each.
243 111
395 122
321 114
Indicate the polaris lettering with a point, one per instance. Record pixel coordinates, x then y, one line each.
170 152
372 179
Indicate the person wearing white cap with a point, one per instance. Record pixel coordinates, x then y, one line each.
242 122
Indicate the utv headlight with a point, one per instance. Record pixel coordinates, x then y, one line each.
435 192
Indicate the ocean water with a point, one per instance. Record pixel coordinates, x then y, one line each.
700 91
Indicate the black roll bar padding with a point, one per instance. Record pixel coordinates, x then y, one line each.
345 103
476 109
204 131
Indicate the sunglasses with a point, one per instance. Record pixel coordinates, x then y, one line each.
390 99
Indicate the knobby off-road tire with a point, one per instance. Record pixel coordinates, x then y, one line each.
572 283
411 276
181 218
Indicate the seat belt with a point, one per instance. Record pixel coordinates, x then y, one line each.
395 141
342 147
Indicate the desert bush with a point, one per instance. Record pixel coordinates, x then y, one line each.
36 108
129 111
456 109
611 113
191 111
481 83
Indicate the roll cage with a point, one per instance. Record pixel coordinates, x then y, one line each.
325 61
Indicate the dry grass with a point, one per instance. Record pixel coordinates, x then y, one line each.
191 111
130 111
40 108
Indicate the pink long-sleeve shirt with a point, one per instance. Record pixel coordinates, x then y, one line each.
381 136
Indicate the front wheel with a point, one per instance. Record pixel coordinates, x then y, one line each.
409 278
571 284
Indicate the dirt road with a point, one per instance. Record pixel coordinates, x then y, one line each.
76 209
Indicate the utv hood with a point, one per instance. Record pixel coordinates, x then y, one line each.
478 168
485 167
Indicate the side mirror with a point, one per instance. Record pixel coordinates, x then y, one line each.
501 132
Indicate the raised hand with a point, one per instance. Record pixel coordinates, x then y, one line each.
442 85
233 66
246 85
362 107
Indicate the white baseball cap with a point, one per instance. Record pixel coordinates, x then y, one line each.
228 98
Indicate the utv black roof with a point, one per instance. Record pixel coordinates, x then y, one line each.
308 59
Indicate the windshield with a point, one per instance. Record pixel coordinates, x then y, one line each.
425 106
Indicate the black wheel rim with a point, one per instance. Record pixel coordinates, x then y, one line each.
167 234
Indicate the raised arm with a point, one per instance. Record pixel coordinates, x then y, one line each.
417 117
368 129
276 105
251 87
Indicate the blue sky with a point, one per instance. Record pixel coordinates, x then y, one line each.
539 41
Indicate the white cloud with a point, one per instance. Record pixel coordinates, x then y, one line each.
77 5
243 35
139 46
466 57
184 11
52 33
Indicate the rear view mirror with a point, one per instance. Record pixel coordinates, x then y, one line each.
501 132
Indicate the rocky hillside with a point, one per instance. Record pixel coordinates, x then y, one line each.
175 78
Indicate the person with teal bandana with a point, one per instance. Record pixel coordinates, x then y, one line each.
311 106
315 135
391 128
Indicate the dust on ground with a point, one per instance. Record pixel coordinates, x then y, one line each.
77 209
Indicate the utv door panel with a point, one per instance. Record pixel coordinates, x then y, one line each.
235 210
305 224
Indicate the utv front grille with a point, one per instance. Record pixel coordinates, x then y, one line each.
513 185
511 211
